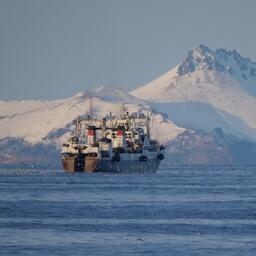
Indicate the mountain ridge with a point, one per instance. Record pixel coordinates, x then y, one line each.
51 120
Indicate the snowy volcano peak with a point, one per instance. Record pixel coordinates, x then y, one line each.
200 58
203 58
209 89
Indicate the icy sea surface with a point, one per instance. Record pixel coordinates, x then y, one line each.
203 211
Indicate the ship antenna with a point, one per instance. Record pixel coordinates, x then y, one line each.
90 106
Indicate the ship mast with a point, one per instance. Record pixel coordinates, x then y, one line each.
122 105
122 109
147 125
90 106
77 126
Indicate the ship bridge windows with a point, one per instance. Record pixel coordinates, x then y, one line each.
68 154
151 148
91 154
128 135
104 153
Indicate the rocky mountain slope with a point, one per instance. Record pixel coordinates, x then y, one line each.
213 148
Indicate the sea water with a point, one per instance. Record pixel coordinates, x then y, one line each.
177 211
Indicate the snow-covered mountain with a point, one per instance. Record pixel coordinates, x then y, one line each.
50 121
212 94
208 89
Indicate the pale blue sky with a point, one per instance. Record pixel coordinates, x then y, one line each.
55 48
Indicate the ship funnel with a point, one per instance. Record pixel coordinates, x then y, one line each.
121 137
91 135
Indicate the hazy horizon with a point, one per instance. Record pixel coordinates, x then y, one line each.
55 49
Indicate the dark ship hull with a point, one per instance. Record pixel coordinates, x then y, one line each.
130 166
81 163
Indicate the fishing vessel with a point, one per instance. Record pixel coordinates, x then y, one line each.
120 144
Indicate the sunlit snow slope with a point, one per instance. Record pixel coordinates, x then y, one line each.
50 121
